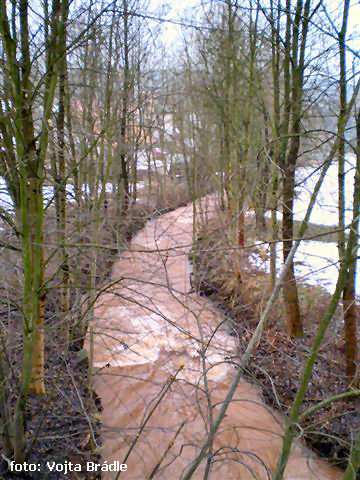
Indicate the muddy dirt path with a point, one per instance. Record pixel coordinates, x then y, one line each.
148 327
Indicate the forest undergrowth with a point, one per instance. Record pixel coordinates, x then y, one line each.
241 290
64 425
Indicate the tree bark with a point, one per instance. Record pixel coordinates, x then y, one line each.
349 299
30 151
64 258
124 173
290 290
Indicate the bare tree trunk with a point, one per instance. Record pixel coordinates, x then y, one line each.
5 417
349 303
274 226
349 300
290 289
64 259
275 68
263 166
341 133
124 169
294 66
30 159
69 125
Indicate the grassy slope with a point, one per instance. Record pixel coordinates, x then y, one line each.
226 275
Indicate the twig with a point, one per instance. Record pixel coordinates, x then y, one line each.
335 398
157 466
167 386
82 406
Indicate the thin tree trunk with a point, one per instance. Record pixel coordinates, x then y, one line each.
64 259
349 300
290 289
296 36
275 66
274 226
5 417
349 304
124 173
30 157
69 125
341 132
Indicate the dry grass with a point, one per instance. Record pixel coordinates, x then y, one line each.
59 419
225 274
226 271
165 196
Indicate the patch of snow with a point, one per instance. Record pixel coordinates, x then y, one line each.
325 210
5 199
315 263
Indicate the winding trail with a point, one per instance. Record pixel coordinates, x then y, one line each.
148 327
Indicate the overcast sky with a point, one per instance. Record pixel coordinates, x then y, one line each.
176 9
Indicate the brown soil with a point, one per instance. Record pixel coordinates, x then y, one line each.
64 425
240 290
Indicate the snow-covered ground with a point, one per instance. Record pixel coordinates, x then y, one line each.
144 160
48 190
158 161
5 200
325 211
317 262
